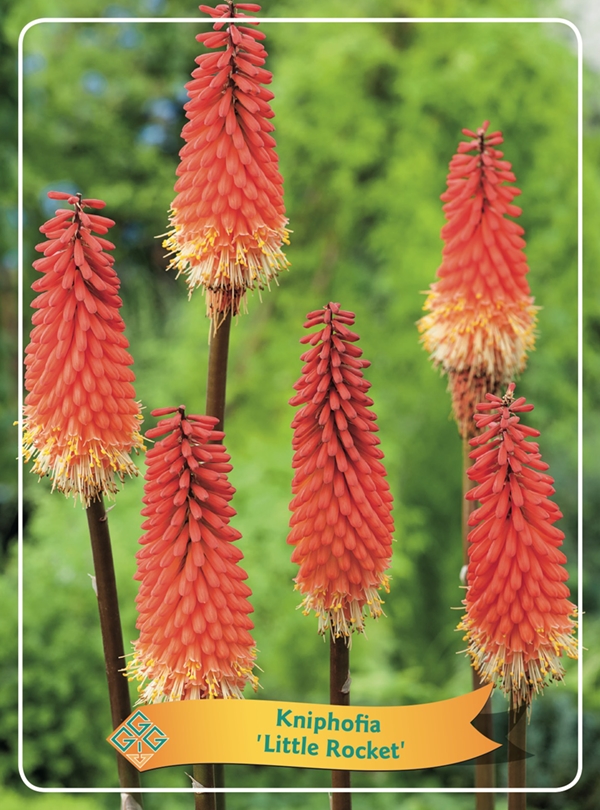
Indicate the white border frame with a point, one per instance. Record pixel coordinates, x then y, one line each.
302 20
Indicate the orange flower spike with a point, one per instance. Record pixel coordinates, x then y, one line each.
481 318
518 617
228 218
341 524
193 603
81 419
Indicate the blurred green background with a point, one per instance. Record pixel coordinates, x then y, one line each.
367 117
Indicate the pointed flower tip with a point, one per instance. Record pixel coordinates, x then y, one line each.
341 524
193 602
62 195
75 199
81 419
519 620
228 9
165 411
480 321
228 223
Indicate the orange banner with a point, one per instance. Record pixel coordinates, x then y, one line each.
304 735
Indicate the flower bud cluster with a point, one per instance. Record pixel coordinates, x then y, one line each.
341 524
518 618
228 218
193 602
81 417
481 318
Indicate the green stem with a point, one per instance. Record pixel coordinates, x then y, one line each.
485 767
339 695
517 742
112 634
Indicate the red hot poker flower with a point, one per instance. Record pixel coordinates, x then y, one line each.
193 602
481 315
81 417
228 218
518 620
341 524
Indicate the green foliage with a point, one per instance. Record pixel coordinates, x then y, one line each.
368 117
13 800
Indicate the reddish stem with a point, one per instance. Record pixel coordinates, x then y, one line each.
216 385
112 634
339 695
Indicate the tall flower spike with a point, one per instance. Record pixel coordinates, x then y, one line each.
481 317
193 603
341 524
228 218
81 417
518 618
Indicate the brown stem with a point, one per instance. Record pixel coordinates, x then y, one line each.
339 695
485 768
467 506
112 635
517 742
204 774
220 782
217 371
208 774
